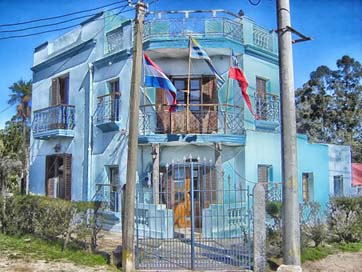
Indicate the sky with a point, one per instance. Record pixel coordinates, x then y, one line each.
334 25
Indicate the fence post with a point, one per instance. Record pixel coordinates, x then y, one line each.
259 241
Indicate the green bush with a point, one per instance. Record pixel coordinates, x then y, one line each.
313 226
345 219
51 219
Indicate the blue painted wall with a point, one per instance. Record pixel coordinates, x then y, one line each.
313 158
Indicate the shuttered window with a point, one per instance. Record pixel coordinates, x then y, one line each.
58 176
60 90
307 186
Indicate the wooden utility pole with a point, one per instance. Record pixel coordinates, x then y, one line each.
128 252
291 227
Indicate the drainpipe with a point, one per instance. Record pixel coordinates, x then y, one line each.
90 130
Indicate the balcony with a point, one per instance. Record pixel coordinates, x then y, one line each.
108 112
54 122
267 110
195 119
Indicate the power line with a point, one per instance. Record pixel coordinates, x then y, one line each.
61 16
57 23
4 110
52 30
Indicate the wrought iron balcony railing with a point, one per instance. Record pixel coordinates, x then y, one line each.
59 117
198 27
199 119
109 195
108 109
267 107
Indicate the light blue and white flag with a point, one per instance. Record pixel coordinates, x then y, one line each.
197 52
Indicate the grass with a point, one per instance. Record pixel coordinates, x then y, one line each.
37 248
317 253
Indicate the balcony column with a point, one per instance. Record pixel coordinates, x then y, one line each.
219 174
156 172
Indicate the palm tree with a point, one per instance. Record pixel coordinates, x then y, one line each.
21 97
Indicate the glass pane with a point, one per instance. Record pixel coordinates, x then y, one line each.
195 84
180 84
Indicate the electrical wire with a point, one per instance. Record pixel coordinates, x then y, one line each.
52 30
61 16
57 23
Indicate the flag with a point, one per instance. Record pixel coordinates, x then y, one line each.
154 77
236 73
196 52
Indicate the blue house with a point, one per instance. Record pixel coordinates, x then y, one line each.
198 162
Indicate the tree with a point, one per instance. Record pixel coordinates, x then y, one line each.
21 92
329 105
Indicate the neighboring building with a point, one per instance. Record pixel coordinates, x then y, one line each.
357 179
340 172
205 156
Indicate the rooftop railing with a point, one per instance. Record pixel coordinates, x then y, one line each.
198 27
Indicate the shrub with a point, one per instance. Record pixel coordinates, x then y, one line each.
51 219
313 227
345 219
274 228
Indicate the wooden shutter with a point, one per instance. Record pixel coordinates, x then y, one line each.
55 92
67 175
163 115
209 96
263 173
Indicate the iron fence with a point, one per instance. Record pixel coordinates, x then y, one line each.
199 220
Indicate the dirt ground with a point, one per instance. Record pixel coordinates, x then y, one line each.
349 262
17 263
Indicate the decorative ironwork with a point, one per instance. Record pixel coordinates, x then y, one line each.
267 107
202 220
199 27
206 119
262 38
108 109
109 195
115 40
52 118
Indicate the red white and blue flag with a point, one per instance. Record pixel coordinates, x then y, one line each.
154 77
236 73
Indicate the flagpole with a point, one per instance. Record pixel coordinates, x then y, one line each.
227 97
188 88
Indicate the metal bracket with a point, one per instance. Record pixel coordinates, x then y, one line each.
302 38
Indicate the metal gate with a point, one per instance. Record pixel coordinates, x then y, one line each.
199 220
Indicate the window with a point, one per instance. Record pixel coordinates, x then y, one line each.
338 185
260 98
115 40
264 173
60 90
58 176
114 99
195 92
114 189
308 186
